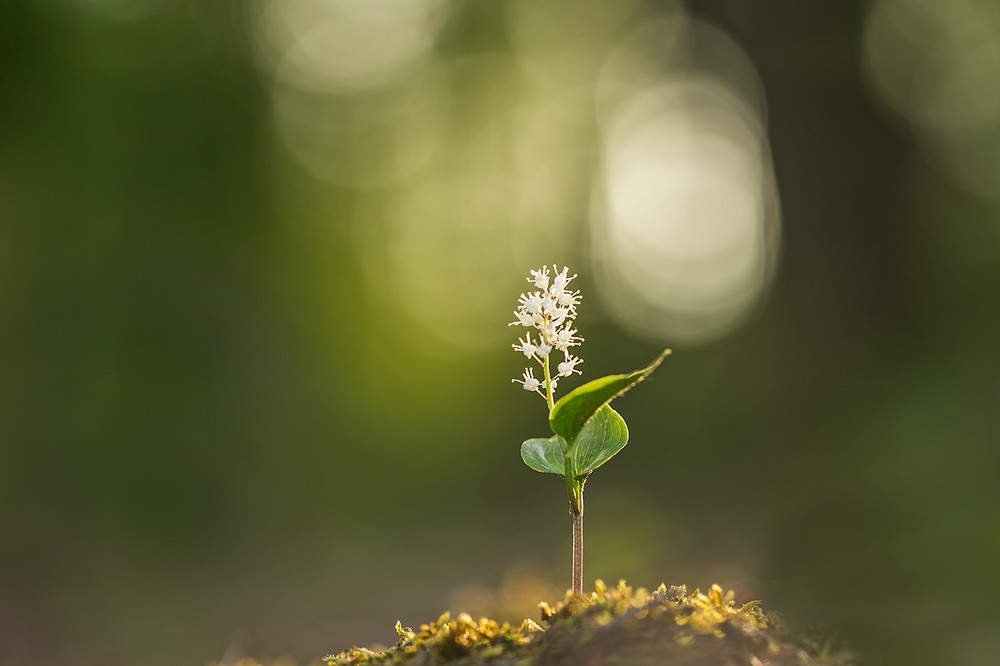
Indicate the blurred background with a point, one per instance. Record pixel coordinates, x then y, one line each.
257 261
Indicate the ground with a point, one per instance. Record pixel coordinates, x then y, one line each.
668 626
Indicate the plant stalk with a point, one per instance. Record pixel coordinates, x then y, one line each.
578 547
549 398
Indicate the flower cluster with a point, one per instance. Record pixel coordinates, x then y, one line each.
550 311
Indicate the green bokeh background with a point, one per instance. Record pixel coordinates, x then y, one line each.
223 433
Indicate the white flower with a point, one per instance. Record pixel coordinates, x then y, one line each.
540 278
560 281
548 330
568 367
523 319
559 316
566 338
529 382
569 299
531 303
526 347
550 311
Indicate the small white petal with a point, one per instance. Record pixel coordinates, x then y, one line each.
566 337
562 278
529 382
523 319
525 346
531 303
559 316
540 278
569 298
548 304
568 366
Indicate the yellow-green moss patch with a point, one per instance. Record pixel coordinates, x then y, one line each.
609 627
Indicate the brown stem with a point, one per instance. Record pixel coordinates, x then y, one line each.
578 546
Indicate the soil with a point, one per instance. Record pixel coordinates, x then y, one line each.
617 626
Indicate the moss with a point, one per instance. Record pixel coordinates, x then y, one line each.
610 626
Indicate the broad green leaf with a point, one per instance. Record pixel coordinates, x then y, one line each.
602 437
544 455
574 409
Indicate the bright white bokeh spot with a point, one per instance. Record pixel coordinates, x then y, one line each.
686 221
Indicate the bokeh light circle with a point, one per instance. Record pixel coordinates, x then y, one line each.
686 217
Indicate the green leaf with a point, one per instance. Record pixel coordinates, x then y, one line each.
544 455
602 437
573 410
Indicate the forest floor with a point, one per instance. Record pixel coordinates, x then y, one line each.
621 626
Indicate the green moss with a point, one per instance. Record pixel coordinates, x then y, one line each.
610 626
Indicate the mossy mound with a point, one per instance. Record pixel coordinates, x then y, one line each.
622 626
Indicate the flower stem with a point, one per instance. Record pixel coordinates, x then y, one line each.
548 385
577 515
575 489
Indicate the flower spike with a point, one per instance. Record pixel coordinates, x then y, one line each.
550 311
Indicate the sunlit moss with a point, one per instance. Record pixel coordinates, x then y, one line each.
610 626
